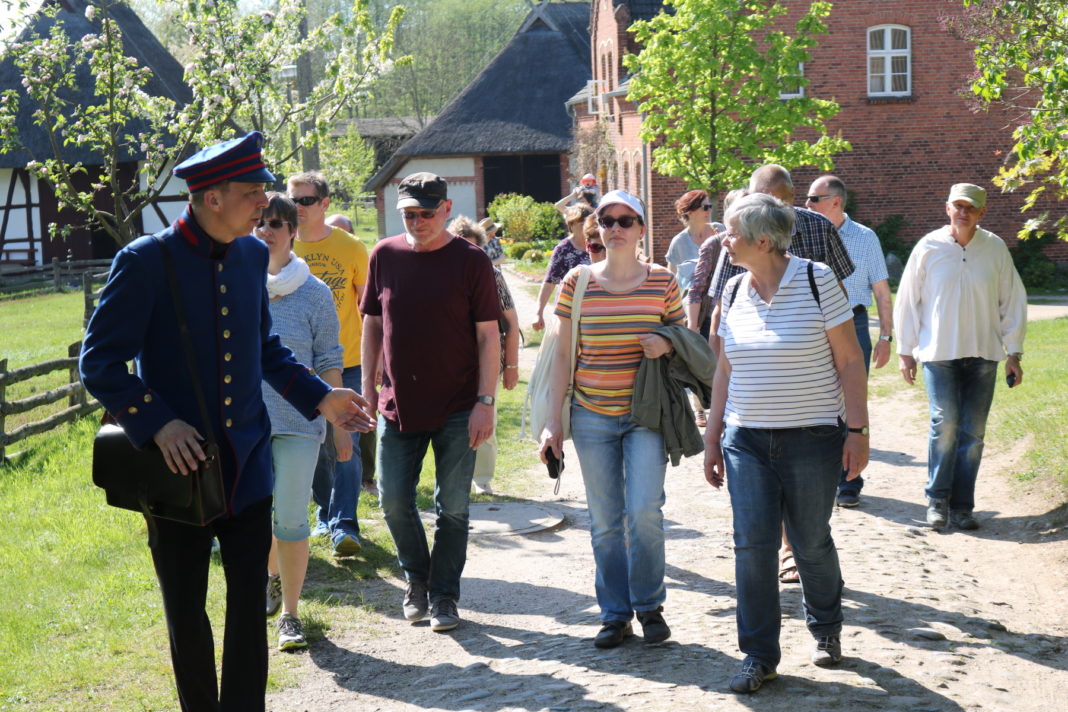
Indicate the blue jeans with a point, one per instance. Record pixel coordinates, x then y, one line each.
860 323
293 458
960 393
336 485
623 468
786 476
400 460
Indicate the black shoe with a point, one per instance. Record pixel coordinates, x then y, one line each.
444 615
752 676
937 513
654 629
613 633
962 519
416 601
848 499
828 651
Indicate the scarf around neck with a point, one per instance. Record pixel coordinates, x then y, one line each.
289 278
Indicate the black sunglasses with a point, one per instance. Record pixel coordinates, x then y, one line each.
410 215
608 222
817 198
307 200
273 223
594 247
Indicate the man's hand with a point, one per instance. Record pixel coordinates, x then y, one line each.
179 443
342 444
479 425
347 410
511 378
654 345
1012 366
881 353
907 365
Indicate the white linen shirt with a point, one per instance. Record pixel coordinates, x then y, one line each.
959 302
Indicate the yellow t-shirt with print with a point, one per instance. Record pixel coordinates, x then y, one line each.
340 260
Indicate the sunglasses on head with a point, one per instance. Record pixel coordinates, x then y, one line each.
608 222
410 215
594 247
307 200
273 223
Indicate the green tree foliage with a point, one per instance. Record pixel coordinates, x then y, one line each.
232 71
347 162
1021 56
708 81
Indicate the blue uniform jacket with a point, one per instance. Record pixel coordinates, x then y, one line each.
226 306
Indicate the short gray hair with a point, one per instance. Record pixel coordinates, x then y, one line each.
762 214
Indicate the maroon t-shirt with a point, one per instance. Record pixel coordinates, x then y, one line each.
429 303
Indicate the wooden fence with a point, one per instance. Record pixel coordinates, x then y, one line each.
91 295
44 279
78 403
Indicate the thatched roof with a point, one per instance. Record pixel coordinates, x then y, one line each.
517 103
139 43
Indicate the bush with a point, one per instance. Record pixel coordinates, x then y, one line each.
516 214
1036 270
548 222
888 231
517 249
533 256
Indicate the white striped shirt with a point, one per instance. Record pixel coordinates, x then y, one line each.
782 369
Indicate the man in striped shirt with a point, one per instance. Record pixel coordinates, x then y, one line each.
827 196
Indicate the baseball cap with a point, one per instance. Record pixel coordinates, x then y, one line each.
239 160
968 192
422 190
622 197
588 179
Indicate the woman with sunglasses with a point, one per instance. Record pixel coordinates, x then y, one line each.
622 463
594 244
303 316
568 254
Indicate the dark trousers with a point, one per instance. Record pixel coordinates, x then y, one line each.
182 556
860 323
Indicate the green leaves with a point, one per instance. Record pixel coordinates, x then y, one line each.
708 83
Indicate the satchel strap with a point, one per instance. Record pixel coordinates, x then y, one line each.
187 342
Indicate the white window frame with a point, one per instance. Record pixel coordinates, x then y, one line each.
800 93
888 54
594 98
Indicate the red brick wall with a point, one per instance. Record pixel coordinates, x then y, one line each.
906 153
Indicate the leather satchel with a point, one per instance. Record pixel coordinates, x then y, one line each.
139 480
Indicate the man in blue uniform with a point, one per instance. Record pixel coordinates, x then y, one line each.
221 272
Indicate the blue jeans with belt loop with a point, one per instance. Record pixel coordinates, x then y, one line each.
960 393
789 476
623 466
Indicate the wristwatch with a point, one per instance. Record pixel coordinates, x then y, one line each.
486 400
889 338
862 431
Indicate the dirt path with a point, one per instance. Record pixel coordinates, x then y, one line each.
954 621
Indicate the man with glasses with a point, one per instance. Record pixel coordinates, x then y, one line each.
431 312
827 196
339 260
961 308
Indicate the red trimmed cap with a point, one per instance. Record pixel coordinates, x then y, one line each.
238 160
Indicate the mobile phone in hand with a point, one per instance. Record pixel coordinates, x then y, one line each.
1010 379
554 464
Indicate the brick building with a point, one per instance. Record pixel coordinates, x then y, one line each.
899 77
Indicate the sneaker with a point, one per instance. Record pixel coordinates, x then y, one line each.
415 601
346 545
290 633
371 488
752 676
654 629
443 615
483 489
828 651
613 633
274 593
962 519
937 513
321 529
848 499
700 419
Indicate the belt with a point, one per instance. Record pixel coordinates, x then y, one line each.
859 309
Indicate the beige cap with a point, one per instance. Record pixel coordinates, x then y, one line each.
968 192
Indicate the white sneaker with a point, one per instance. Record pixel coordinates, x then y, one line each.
483 489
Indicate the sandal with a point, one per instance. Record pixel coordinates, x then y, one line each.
788 569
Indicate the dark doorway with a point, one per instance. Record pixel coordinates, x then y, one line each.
533 174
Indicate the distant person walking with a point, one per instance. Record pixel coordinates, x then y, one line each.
568 254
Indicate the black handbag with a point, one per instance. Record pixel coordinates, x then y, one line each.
139 480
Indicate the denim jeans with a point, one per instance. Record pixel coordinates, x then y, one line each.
960 393
293 458
860 323
336 486
623 467
786 476
400 460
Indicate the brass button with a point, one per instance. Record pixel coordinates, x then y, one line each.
219 266
222 288
133 410
227 378
226 333
229 423
228 400
148 398
225 311
227 356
